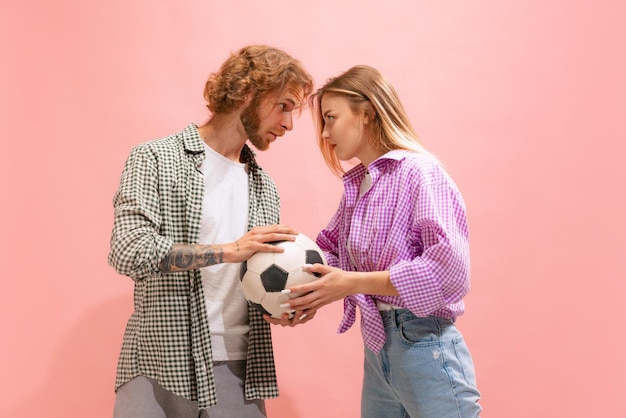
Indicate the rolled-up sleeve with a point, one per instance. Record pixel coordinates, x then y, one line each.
440 275
136 246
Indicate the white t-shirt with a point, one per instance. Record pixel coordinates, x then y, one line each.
224 220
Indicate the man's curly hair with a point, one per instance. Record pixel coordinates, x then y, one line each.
257 69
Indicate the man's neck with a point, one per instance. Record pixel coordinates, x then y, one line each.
224 134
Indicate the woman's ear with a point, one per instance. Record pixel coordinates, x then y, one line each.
368 114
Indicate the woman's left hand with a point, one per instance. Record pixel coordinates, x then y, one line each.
334 284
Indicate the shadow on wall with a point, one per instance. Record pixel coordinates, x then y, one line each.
81 377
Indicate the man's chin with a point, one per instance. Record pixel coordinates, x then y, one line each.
260 145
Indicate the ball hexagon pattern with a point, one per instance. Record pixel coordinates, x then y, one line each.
265 275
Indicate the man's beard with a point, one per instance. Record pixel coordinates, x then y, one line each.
251 122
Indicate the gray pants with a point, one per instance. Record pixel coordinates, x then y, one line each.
143 397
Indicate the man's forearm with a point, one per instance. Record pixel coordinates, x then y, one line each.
185 257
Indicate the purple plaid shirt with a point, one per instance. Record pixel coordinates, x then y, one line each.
412 223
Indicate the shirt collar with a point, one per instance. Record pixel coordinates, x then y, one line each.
356 173
194 145
191 140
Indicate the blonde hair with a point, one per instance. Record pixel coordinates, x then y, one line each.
367 90
257 69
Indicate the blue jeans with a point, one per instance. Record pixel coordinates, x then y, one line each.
425 370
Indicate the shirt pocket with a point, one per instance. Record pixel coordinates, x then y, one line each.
369 233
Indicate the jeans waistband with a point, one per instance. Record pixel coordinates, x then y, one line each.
394 317
384 306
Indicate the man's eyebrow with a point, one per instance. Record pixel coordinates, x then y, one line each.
296 104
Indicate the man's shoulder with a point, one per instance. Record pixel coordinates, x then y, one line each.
169 141
187 138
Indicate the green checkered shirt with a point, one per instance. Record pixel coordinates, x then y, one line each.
159 203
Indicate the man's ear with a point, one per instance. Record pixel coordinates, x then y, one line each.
246 102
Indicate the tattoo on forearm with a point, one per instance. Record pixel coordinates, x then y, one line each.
189 257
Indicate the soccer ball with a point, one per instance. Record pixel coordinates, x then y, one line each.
264 275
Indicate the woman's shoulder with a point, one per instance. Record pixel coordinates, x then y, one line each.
417 164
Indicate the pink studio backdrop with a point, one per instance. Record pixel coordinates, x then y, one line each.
524 101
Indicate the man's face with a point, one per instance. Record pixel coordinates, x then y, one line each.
270 117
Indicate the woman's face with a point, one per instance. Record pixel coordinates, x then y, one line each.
343 129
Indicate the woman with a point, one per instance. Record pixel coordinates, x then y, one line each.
397 248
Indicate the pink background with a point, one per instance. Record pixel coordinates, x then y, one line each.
524 101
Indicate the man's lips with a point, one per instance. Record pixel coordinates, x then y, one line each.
276 135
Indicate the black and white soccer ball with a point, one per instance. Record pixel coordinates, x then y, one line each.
265 275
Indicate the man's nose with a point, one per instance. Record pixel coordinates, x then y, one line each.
287 121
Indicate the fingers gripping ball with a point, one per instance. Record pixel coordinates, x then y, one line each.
265 275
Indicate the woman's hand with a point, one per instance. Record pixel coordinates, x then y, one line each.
334 284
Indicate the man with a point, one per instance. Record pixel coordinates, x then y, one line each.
189 209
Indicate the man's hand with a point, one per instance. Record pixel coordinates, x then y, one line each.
299 317
259 239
